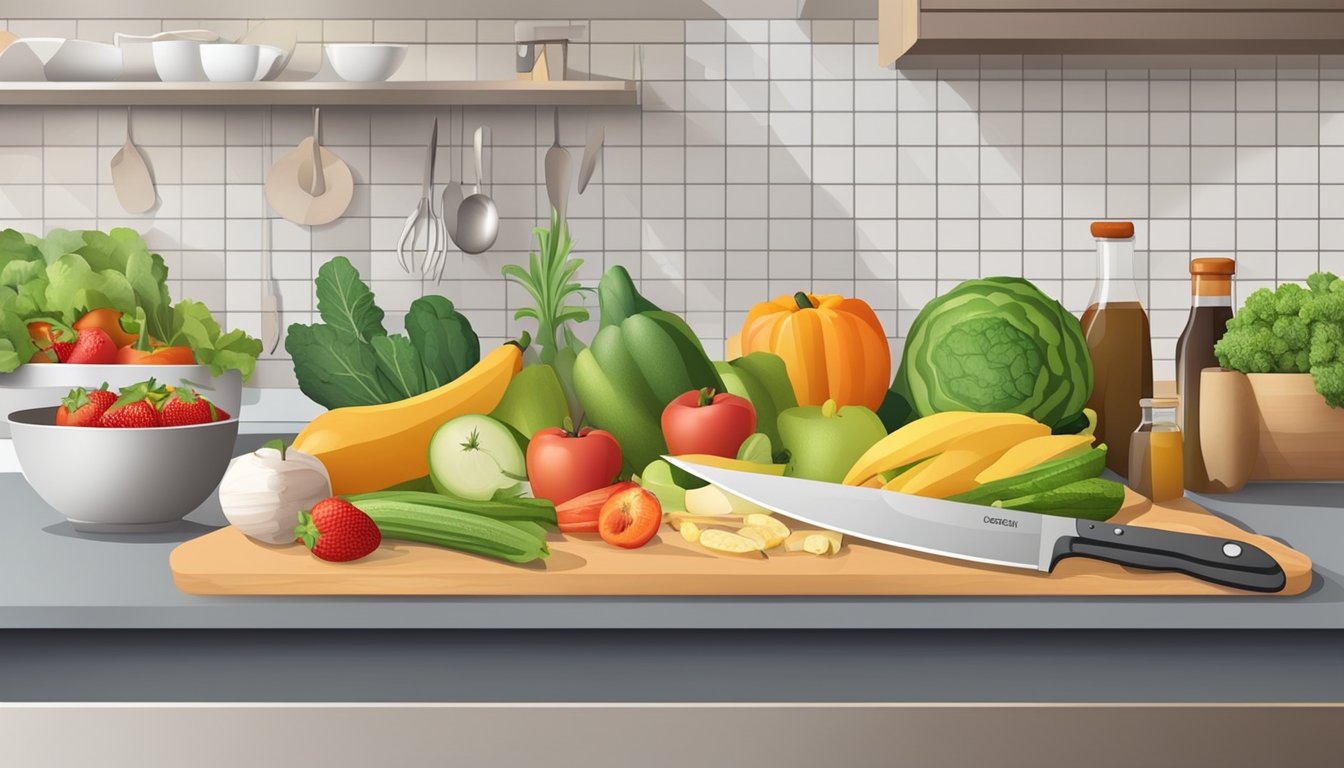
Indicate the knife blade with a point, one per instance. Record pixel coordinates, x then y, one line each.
995 536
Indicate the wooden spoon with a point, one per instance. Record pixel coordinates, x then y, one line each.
130 176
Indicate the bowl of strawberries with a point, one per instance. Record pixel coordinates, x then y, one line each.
131 458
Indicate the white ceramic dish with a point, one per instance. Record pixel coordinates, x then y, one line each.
41 386
268 62
231 62
44 47
137 53
20 63
129 480
84 61
177 61
365 62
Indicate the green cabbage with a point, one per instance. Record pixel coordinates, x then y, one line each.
993 344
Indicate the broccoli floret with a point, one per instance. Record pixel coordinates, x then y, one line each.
1323 282
1329 380
1293 331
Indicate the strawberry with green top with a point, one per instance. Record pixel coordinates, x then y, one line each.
83 408
338 531
136 408
185 407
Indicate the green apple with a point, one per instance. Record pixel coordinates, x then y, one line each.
824 441
657 479
533 401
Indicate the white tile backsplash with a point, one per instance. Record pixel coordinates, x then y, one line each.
768 156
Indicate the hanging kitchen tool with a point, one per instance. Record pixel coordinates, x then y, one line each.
423 212
310 185
590 153
131 177
557 170
452 191
270 292
477 217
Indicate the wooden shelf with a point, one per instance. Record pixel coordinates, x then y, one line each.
400 93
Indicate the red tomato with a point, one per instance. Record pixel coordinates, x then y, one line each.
562 465
701 421
630 518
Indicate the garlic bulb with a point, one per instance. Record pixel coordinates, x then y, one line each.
263 491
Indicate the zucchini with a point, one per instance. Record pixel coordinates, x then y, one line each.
1039 479
455 529
1092 499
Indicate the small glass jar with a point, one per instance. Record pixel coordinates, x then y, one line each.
1156 457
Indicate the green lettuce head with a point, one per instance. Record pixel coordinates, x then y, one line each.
993 344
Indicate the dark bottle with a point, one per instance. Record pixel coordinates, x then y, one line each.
1210 309
1119 343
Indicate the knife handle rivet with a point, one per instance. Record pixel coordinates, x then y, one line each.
1119 531
1232 549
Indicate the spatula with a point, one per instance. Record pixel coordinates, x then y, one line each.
130 176
557 171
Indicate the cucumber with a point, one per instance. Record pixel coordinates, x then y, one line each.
455 529
1039 479
1092 499
539 511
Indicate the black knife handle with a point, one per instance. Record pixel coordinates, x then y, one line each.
1228 562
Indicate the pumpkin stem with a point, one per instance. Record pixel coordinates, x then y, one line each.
706 397
803 301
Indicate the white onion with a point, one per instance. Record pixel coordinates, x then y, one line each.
263 492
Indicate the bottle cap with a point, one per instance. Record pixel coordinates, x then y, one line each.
1159 402
1213 267
1113 229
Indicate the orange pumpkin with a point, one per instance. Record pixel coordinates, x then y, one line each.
833 347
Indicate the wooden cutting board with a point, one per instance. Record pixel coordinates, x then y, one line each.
225 562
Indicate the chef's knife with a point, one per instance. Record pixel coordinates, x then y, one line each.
996 536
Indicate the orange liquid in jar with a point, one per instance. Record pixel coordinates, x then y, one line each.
1157 463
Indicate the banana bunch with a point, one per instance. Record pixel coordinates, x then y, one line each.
949 453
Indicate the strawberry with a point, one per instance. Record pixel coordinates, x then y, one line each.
93 347
137 408
61 349
338 531
140 414
184 407
82 408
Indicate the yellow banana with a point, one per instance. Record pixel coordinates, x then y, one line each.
954 470
923 438
371 447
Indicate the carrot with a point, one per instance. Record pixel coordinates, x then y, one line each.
579 514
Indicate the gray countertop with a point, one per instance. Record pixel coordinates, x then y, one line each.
52 577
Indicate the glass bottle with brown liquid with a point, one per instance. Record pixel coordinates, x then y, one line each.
1210 309
1119 342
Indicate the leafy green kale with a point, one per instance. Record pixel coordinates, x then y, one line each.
350 359
1291 330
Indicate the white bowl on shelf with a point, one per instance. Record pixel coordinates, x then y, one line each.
365 62
137 53
268 62
178 61
83 61
231 62
43 47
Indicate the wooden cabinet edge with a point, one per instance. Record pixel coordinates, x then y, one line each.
897 29
943 27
